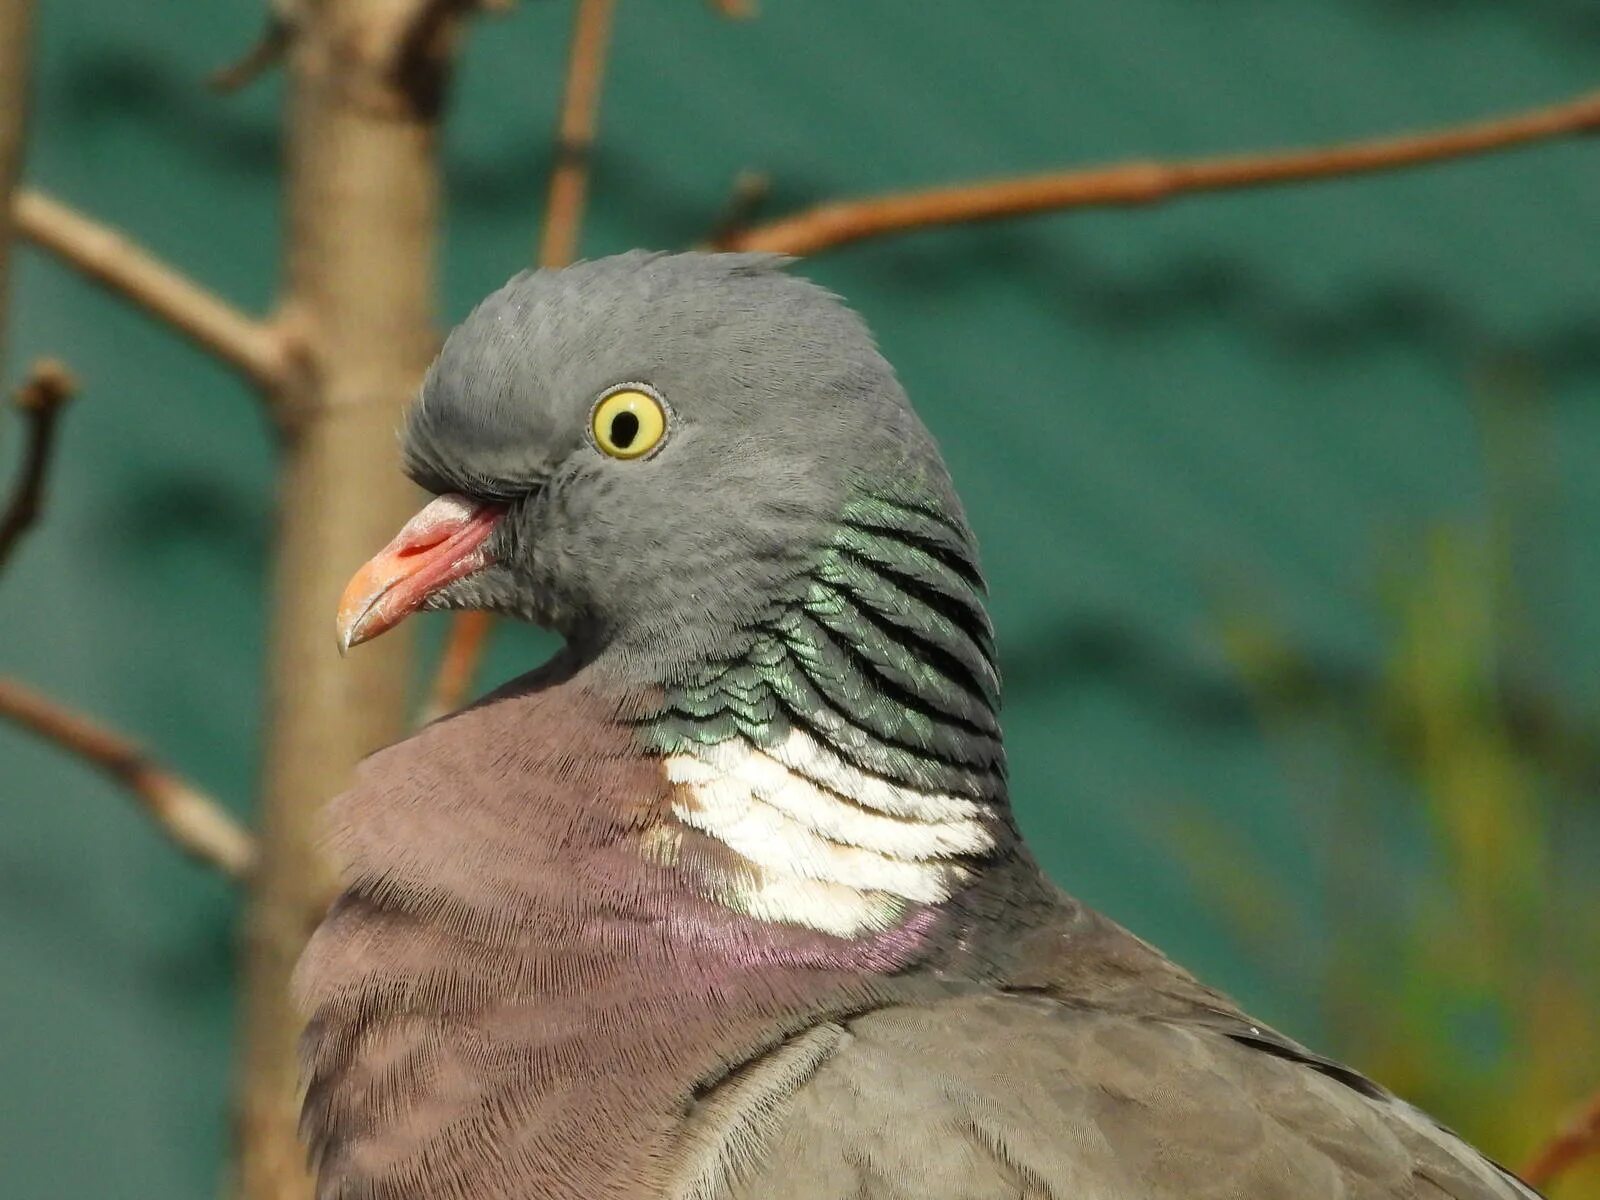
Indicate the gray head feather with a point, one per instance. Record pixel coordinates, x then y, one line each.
780 406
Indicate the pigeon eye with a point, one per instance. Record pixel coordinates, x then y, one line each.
628 423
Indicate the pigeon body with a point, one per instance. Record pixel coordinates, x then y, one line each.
726 901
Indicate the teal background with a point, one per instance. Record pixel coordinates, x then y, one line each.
1160 420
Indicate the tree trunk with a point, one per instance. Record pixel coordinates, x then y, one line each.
362 217
16 43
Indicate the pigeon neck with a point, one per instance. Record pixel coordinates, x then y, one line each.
846 747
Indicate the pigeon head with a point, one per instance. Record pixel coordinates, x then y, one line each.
701 472
644 452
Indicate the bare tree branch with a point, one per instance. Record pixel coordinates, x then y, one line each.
464 647
750 191
266 52
40 399
365 83
575 129
253 347
468 637
16 50
1577 1141
1138 183
193 821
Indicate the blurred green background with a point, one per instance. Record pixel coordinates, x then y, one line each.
1289 502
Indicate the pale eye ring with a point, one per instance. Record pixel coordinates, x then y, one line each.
628 421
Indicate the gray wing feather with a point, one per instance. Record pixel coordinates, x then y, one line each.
1023 1097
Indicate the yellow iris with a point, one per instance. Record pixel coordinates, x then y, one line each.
628 423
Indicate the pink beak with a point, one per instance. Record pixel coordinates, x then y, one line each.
442 543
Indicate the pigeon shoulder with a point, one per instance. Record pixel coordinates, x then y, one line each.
1089 1066
994 1094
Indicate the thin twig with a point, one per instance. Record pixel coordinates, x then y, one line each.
1577 1141
468 636
575 128
40 399
464 646
266 52
750 191
193 821
16 62
252 347
1139 183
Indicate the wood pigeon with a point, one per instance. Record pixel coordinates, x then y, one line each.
726 901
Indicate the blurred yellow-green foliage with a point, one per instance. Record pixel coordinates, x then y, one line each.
1447 799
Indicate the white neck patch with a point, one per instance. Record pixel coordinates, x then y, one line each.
821 843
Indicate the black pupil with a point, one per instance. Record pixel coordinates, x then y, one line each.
624 428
